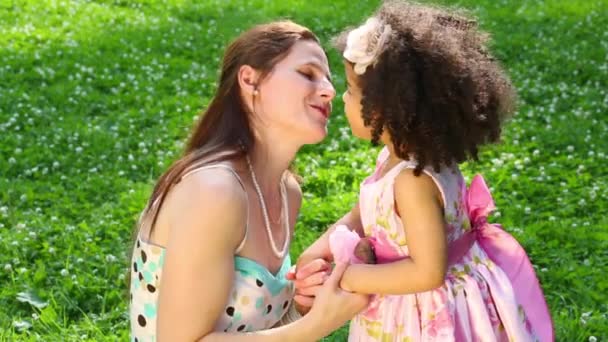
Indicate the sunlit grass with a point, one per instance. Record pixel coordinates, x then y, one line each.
97 97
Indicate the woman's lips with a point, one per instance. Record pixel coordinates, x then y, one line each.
324 110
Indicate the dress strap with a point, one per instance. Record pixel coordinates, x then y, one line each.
195 169
238 178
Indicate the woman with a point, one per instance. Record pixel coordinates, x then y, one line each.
211 252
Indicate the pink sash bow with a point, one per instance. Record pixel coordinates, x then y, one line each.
506 253
499 245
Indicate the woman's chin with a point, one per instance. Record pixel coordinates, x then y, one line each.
316 136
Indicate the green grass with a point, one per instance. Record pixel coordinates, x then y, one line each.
97 97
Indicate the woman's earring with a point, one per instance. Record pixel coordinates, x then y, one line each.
255 92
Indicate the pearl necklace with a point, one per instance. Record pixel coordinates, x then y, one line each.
280 254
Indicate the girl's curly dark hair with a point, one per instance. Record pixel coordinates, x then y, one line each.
435 88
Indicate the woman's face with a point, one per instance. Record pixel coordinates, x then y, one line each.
294 99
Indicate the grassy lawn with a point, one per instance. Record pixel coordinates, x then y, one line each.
97 97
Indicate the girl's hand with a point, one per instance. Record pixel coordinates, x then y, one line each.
364 251
334 306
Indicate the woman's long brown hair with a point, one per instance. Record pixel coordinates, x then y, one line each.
224 129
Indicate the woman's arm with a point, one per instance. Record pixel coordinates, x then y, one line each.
207 216
419 201
331 310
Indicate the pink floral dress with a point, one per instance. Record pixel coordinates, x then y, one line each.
478 301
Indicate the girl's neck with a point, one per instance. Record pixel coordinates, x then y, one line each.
393 159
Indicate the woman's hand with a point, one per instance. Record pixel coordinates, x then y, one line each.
308 280
333 306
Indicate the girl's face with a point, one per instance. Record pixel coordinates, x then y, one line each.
352 104
294 100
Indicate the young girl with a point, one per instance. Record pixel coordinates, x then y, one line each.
421 81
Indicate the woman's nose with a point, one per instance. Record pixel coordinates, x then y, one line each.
326 90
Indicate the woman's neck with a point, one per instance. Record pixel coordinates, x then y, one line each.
270 161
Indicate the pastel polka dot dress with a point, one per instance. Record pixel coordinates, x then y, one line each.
258 300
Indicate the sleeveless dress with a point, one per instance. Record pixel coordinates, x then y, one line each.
490 292
258 300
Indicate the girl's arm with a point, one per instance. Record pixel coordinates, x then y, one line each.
419 201
320 248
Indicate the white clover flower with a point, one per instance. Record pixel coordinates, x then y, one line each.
64 272
585 316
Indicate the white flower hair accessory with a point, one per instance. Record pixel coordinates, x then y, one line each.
365 43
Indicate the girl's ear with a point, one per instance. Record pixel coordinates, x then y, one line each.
248 80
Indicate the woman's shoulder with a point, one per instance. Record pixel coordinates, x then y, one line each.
211 187
205 199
